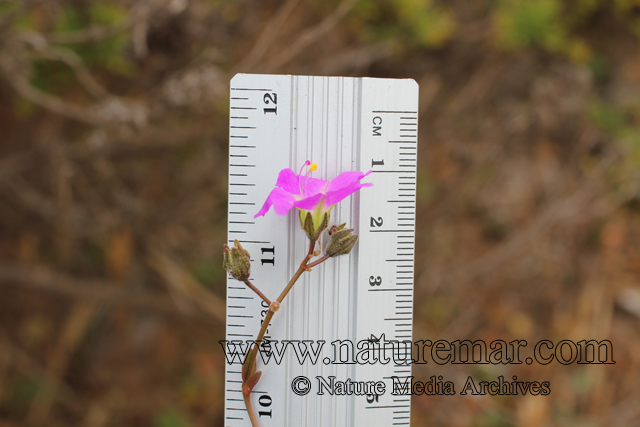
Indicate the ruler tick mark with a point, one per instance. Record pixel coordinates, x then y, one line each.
394 112
389 406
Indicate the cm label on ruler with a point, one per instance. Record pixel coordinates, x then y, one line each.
342 124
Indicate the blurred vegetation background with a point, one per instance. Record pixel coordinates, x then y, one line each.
113 193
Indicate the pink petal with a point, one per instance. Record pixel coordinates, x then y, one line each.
309 203
344 185
313 186
281 200
346 179
288 181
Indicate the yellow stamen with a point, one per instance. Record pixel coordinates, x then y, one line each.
313 167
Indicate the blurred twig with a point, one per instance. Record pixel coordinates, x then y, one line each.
71 336
185 286
91 289
31 368
311 35
356 59
19 82
87 80
261 46
9 18
574 208
37 202
89 35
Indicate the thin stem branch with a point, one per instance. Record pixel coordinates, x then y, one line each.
318 261
252 415
257 291
304 266
294 279
301 269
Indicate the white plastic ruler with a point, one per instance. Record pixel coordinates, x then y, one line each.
342 124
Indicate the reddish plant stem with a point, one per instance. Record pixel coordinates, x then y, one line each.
304 266
257 291
247 401
318 261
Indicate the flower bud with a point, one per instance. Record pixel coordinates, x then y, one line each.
335 228
313 232
341 242
237 261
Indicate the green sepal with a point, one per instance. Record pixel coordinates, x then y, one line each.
313 232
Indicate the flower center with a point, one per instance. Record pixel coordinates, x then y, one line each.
302 181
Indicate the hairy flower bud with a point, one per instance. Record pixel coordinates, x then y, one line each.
237 261
341 242
335 228
309 227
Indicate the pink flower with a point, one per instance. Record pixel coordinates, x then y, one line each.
310 194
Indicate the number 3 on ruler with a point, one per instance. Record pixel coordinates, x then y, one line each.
375 281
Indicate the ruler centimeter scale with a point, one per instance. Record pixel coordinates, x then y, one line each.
342 124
